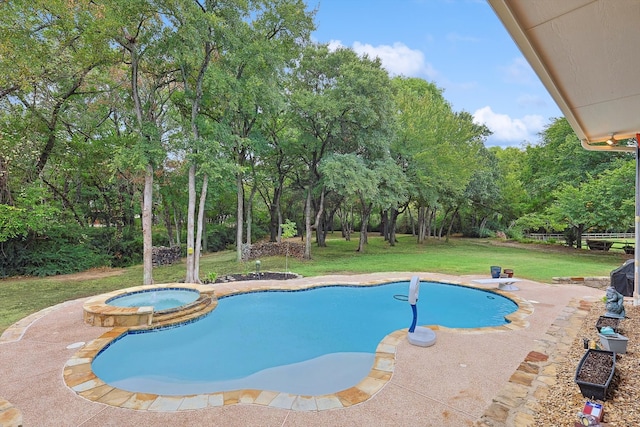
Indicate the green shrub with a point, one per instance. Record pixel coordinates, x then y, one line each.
53 259
70 249
125 248
62 250
514 233
478 232
219 236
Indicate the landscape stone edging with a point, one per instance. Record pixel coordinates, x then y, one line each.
10 416
514 405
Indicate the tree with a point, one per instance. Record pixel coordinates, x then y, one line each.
197 40
341 104
605 202
482 198
436 147
288 231
512 201
277 166
50 54
558 160
151 78
264 39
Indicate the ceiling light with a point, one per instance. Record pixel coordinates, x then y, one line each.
612 140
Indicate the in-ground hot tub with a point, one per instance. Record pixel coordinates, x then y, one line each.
147 305
160 299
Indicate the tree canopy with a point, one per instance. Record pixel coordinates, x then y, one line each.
205 124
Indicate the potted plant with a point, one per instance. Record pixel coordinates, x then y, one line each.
607 321
614 342
595 372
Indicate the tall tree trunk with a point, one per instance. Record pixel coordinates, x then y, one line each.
190 276
393 220
343 215
201 226
319 212
279 226
579 231
443 223
412 223
178 223
147 253
431 214
166 213
307 225
384 224
274 216
193 248
205 236
453 218
422 223
366 212
239 214
147 256
321 232
483 223
249 210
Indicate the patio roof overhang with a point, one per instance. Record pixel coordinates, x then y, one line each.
587 55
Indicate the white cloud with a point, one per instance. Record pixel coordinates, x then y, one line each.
335 45
507 130
519 71
398 59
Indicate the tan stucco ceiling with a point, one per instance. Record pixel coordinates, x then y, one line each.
587 54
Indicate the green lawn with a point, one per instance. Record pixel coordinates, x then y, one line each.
23 296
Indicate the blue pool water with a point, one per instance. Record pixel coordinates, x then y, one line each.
310 342
160 299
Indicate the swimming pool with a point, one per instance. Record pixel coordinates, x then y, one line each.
308 342
159 299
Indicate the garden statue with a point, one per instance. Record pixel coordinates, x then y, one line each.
614 305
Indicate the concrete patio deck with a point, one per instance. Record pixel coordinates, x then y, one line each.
465 379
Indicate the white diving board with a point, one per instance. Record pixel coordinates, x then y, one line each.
504 283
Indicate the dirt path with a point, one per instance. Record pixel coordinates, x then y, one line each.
94 273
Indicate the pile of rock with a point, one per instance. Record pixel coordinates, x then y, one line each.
266 249
163 255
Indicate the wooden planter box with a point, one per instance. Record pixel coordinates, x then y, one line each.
594 390
602 321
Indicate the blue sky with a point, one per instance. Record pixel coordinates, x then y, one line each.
460 45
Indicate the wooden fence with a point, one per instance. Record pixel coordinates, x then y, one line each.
585 236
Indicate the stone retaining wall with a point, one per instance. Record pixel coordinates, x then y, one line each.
602 282
163 255
265 249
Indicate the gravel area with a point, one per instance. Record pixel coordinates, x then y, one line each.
564 400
